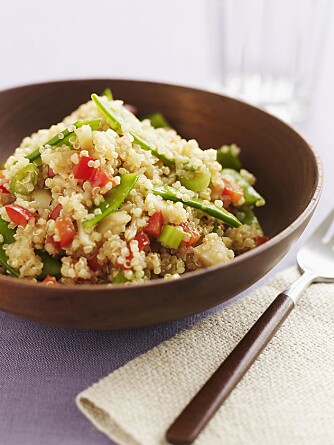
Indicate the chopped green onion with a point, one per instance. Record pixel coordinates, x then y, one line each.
25 180
250 194
197 181
228 157
64 136
113 199
158 120
116 119
210 208
119 278
171 237
107 92
51 266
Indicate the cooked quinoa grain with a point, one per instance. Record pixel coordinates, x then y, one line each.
103 197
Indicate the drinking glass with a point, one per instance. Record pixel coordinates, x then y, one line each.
267 52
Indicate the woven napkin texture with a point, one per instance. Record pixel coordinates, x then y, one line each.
286 398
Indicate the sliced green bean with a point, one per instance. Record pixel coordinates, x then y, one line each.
25 180
113 199
158 120
207 207
63 137
228 157
116 118
250 194
51 265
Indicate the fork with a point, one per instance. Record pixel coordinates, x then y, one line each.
316 262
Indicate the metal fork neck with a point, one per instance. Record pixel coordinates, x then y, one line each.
296 289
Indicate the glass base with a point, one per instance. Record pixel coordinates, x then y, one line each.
275 95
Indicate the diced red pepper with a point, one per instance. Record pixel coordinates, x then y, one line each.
82 170
143 240
4 190
96 176
127 264
93 262
66 231
18 215
232 190
50 240
56 212
99 178
260 240
50 281
154 225
51 173
190 227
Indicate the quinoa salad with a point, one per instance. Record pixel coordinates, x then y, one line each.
107 197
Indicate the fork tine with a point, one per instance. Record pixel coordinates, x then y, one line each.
321 231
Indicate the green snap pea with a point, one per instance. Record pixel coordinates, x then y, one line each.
228 157
247 216
172 194
8 238
63 137
107 92
51 265
116 118
250 194
158 120
113 199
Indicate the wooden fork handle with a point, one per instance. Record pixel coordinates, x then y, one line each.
206 402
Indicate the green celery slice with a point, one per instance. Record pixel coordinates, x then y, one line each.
197 182
113 199
117 118
171 237
210 208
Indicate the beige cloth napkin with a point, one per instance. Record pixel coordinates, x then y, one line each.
286 398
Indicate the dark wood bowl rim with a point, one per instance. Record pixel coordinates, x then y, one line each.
187 276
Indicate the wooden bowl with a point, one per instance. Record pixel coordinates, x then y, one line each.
287 169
